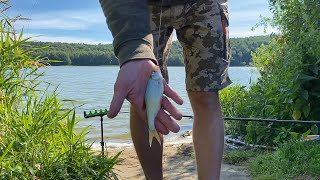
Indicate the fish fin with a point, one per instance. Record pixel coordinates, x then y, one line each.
154 134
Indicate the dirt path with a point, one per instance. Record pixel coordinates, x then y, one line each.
178 165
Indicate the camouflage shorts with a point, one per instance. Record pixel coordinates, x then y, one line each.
202 30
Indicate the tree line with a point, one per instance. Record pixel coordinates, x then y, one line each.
78 54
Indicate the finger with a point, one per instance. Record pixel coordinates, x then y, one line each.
116 104
168 122
161 128
168 106
172 94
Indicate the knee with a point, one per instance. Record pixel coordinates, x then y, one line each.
203 98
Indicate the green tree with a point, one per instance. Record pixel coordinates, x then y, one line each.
102 54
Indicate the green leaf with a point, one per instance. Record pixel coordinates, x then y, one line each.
6 151
298 104
315 93
296 115
314 69
314 129
294 135
305 77
304 135
305 95
306 110
249 127
247 139
18 169
31 170
284 135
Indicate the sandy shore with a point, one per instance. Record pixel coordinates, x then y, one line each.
178 164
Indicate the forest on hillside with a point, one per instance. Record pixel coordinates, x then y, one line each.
102 54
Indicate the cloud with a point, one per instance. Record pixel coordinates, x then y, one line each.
64 20
245 32
248 5
66 39
245 14
88 25
248 17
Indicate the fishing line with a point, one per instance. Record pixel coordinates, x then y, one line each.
160 23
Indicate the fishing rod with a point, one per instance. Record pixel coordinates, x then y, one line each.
317 123
254 119
103 112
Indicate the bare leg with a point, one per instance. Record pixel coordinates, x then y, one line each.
150 158
208 134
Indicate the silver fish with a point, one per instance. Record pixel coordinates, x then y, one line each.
153 96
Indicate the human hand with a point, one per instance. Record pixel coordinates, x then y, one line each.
131 84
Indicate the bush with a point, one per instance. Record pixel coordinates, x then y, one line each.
289 86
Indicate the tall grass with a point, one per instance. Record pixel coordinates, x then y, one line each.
37 137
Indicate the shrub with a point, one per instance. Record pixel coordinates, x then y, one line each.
289 85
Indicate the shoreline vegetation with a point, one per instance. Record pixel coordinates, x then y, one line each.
77 54
37 137
288 88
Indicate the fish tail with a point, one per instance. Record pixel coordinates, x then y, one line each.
153 134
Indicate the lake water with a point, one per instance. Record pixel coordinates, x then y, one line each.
91 87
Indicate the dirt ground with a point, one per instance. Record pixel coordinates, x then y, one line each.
178 165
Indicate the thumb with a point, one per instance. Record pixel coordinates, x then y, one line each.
116 104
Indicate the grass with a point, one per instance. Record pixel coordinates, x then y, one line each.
294 160
234 157
37 136
297 160
240 157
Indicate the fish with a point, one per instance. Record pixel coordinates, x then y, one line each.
153 97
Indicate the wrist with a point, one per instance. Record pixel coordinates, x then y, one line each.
139 62
134 50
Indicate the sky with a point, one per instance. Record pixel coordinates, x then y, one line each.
82 21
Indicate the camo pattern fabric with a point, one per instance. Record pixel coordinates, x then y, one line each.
202 30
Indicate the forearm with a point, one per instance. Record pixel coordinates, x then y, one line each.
129 24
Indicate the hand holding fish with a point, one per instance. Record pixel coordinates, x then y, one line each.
131 85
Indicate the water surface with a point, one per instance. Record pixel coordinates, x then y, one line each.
91 87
